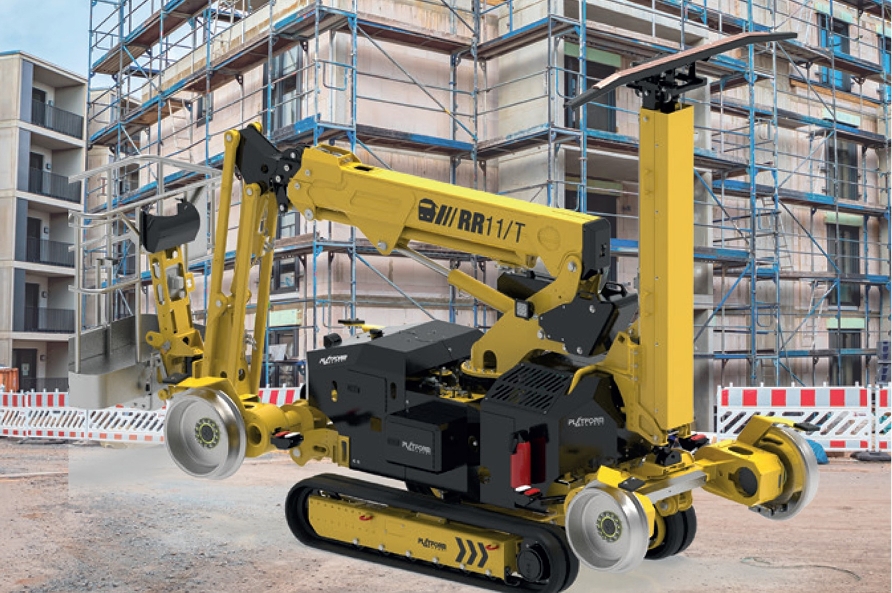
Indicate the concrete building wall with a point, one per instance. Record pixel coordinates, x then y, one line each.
22 263
521 91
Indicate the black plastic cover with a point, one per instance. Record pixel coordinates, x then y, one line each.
595 247
431 437
160 233
258 161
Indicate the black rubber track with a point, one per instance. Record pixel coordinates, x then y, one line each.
563 563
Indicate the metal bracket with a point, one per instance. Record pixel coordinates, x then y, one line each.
661 81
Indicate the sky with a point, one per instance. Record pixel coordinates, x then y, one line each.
57 31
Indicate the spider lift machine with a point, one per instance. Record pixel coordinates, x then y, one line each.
563 434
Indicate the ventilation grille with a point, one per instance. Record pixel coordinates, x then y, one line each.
531 386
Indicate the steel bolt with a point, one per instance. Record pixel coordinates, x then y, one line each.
229 137
308 214
249 191
307 173
382 245
278 178
572 266
287 167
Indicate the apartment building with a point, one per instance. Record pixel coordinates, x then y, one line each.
42 140
791 159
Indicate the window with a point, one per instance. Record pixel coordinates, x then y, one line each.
128 179
602 113
834 35
285 275
841 166
845 369
204 109
843 247
287 225
281 368
284 78
286 271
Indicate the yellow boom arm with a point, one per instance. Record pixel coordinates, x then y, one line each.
392 209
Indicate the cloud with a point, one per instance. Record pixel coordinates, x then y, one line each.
57 31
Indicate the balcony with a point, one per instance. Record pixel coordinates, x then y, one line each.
56 321
53 253
58 120
54 186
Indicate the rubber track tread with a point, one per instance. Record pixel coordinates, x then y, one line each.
564 564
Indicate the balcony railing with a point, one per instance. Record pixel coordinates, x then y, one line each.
59 120
40 319
54 253
54 186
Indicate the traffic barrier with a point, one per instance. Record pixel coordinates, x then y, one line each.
849 418
61 423
126 425
107 425
33 399
883 420
43 414
13 422
845 416
279 395
15 400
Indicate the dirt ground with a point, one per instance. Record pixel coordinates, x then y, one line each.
77 518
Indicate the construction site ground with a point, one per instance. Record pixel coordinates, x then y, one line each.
80 517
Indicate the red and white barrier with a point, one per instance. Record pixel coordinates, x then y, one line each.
43 414
845 415
14 422
796 397
279 396
850 418
60 423
33 399
125 425
883 420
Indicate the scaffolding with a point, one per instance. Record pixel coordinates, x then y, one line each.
791 152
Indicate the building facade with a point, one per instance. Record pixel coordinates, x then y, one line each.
791 160
42 135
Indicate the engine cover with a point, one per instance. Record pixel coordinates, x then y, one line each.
533 430
371 390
